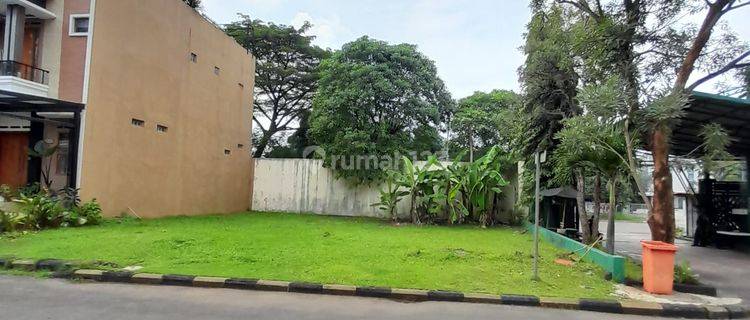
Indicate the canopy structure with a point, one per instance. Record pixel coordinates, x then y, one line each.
731 113
719 214
27 119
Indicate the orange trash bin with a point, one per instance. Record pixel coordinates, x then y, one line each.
658 266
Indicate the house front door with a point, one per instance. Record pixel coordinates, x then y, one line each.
14 158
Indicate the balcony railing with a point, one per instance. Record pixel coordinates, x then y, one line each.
23 71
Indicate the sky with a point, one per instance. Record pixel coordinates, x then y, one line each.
474 43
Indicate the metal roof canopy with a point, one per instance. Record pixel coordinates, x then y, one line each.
731 113
20 102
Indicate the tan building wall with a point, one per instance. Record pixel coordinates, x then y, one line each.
141 69
50 43
73 54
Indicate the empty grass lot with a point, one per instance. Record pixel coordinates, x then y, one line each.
334 250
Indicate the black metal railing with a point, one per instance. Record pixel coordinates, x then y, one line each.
41 3
23 71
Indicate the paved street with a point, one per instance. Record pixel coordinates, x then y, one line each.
31 299
727 270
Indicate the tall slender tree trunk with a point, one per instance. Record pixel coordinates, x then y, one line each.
471 145
597 207
583 217
612 183
661 218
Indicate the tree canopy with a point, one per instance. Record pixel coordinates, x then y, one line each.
548 77
377 100
484 120
286 74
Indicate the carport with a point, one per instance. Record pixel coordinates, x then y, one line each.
26 120
718 215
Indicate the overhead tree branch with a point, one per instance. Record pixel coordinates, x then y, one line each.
734 64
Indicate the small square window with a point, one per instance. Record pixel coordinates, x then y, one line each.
241 85
79 25
137 122
217 70
161 128
193 57
227 152
240 146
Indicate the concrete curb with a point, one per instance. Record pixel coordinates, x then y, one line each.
604 306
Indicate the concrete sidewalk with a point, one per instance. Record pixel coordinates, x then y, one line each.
727 270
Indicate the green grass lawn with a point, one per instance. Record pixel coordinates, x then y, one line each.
321 249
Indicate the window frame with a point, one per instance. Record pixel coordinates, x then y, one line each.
72 25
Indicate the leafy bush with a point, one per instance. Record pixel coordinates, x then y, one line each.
41 211
391 195
684 274
459 192
89 213
11 221
37 210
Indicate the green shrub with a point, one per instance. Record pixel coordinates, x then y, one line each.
89 213
684 274
37 210
41 211
11 221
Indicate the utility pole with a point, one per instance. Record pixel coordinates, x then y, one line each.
537 162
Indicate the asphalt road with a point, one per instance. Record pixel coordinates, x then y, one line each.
30 298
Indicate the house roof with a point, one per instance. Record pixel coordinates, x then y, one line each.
731 113
562 192
20 102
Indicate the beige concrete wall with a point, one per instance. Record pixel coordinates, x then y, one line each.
305 186
50 44
73 53
141 69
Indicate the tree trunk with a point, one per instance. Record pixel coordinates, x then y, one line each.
471 146
583 218
594 231
611 222
701 39
262 144
414 211
661 218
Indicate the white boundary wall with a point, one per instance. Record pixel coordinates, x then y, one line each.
305 186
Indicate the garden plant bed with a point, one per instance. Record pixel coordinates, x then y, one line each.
319 249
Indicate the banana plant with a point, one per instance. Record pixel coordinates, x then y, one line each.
391 194
482 182
418 182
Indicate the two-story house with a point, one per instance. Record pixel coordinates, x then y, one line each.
147 103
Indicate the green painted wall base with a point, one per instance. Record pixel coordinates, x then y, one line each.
613 264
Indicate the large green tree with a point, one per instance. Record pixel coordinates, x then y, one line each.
548 76
286 74
549 83
483 120
650 48
375 100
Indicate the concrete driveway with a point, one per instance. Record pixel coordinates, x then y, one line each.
29 298
727 270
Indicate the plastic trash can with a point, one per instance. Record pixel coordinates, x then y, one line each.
658 266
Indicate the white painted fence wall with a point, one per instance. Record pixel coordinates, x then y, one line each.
305 186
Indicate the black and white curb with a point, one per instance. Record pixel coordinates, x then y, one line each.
605 306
